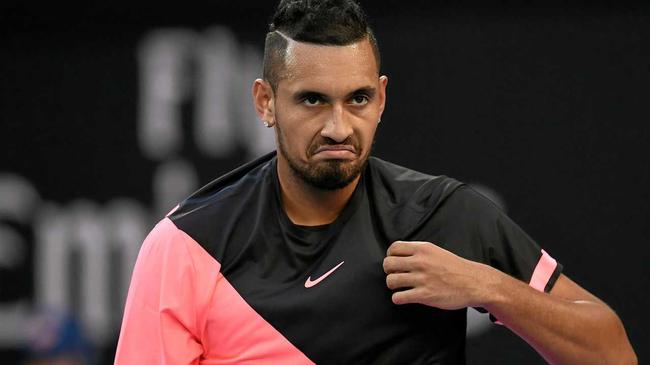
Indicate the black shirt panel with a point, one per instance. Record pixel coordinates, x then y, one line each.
349 317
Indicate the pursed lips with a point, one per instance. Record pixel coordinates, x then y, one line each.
336 151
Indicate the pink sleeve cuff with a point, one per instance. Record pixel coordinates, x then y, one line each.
543 272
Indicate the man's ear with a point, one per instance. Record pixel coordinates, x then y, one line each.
383 83
264 101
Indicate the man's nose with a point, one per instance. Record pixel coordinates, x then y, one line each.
337 127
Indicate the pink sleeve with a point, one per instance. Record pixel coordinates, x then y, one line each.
164 312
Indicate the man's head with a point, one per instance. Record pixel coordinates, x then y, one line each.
331 23
321 90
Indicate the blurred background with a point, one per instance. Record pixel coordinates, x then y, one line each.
112 113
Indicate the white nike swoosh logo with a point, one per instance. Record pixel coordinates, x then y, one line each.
309 283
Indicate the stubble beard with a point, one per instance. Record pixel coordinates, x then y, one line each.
323 175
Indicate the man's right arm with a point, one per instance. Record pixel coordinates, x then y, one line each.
160 323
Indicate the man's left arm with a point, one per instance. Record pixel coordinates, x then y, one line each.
569 325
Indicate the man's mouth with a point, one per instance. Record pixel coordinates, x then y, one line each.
335 152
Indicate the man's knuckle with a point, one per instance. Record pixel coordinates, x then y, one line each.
419 263
420 279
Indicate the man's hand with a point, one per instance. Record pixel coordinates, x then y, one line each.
430 275
566 326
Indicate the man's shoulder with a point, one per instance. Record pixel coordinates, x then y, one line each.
229 188
407 199
404 183
397 171
412 182
227 207
404 198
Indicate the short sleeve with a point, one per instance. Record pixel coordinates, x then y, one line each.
489 236
160 317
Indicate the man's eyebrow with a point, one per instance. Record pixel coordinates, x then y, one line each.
369 91
304 94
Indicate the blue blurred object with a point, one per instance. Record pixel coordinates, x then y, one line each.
54 336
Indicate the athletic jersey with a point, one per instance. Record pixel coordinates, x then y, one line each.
227 278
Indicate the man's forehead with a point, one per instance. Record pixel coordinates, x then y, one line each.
303 53
308 63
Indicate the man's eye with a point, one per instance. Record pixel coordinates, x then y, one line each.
312 100
359 99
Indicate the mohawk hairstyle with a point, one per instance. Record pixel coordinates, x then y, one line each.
324 22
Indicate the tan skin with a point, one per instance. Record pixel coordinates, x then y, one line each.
352 100
567 326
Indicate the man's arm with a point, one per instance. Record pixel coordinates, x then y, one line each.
567 326
161 324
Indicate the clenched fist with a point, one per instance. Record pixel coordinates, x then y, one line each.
424 273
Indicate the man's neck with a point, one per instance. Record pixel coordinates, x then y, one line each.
306 205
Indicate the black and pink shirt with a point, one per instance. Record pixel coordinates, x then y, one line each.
227 278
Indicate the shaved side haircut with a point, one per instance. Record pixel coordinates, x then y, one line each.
324 22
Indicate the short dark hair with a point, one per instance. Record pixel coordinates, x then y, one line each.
325 22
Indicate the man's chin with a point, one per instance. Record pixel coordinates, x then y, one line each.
332 174
331 184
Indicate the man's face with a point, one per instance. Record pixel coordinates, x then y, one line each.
326 110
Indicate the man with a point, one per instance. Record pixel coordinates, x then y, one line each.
322 254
